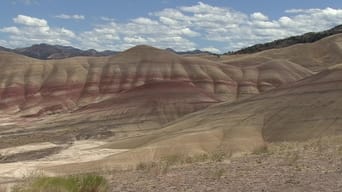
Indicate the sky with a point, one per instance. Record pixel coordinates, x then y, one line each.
210 25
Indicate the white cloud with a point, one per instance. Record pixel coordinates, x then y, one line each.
186 32
12 30
259 16
101 38
31 30
265 24
30 21
3 43
201 8
296 11
144 21
65 16
285 21
138 31
238 30
136 40
183 28
168 21
211 49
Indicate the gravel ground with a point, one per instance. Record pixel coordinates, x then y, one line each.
315 166
286 167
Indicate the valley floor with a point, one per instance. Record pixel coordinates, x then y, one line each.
314 166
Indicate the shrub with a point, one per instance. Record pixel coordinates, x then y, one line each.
199 158
217 156
173 159
261 150
291 158
76 183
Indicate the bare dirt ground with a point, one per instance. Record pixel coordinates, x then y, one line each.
291 167
314 165
13 166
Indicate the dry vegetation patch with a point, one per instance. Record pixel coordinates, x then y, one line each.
314 165
167 162
74 183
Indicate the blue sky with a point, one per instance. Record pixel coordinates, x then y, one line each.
213 25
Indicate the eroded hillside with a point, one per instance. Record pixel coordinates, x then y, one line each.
149 103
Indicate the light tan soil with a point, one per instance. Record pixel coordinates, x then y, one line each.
284 167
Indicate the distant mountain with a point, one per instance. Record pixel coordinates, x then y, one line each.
196 51
306 38
46 51
4 49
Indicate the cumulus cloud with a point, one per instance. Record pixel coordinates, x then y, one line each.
202 8
101 38
183 28
30 21
236 29
211 49
12 30
144 21
138 31
65 16
259 16
31 30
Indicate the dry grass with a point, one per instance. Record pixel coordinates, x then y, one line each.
261 150
291 158
74 183
292 152
165 163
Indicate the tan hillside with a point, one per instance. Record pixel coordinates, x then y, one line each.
315 56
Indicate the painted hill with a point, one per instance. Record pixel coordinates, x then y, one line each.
37 86
307 109
132 93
